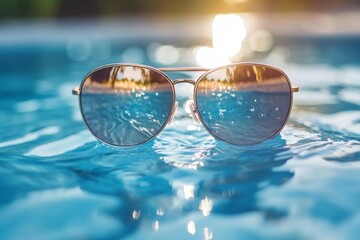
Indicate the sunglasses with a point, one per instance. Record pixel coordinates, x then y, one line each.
130 104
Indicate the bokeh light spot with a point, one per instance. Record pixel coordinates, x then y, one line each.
261 41
167 54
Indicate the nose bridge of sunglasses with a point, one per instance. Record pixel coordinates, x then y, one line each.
184 80
193 111
189 104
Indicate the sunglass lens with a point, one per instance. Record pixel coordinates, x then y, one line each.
126 105
244 104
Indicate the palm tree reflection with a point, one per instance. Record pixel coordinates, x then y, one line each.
124 78
258 78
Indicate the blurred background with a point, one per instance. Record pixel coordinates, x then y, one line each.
206 33
26 9
300 185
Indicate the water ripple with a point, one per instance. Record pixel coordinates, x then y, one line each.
185 184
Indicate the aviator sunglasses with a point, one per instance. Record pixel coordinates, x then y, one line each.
130 104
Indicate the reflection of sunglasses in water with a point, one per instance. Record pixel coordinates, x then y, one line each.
129 104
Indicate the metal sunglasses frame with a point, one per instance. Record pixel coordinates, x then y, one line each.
194 109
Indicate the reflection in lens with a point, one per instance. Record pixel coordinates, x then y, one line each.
126 105
244 104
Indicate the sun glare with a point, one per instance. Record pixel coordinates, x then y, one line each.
228 33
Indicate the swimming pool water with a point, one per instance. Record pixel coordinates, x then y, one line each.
58 182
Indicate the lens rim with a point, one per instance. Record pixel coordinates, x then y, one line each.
127 65
236 65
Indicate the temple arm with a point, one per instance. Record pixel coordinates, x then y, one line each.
294 88
76 91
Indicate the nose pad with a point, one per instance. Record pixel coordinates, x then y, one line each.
171 118
193 111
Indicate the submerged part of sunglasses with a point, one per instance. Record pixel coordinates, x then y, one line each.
129 104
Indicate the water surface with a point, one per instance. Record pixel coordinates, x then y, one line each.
58 182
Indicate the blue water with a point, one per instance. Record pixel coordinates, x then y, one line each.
58 182
127 119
